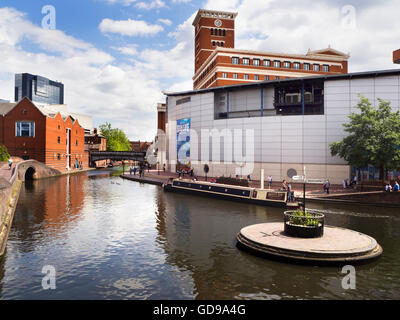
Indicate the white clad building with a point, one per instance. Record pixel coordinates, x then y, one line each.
282 126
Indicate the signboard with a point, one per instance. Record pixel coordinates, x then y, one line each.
183 143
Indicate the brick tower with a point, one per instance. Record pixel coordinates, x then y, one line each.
212 29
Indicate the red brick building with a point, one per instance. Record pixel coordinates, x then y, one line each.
218 63
396 56
96 142
140 146
36 133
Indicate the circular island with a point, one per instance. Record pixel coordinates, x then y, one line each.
337 246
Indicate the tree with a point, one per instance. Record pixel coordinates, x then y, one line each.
116 138
374 137
4 155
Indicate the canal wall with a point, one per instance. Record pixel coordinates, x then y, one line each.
9 194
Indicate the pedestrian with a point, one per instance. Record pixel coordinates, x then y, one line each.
164 167
396 187
10 162
269 179
284 185
248 178
388 187
134 171
290 193
191 172
344 183
326 186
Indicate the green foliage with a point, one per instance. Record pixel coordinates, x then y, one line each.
303 218
373 137
116 138
4 155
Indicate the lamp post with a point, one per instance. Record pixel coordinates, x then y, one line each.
158 167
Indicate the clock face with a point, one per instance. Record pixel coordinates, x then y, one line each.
218 23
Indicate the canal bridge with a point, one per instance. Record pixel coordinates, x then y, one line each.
116 156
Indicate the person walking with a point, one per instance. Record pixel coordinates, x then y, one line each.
269 179
10 162
327 185
396 187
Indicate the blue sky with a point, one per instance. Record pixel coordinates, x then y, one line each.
115 57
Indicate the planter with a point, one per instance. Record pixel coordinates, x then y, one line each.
308 226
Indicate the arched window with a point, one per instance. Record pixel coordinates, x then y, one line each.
224 33
212 31
219 32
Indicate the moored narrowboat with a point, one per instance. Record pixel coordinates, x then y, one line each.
231 192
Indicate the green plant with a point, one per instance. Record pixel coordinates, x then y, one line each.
4 155
303 218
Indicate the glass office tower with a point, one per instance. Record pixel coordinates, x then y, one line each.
38 89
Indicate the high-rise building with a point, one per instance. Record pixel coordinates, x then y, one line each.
218 63
396 56
38 89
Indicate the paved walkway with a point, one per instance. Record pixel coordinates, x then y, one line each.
312 190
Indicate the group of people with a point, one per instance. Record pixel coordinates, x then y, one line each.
395 188
352 184
181 173
139 170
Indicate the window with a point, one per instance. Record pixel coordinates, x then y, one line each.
246 77
224 75
277 64
296 65
219 32
246 61
286 64
267 63
256 62
76 143
325 68
256 77
218 43
235 60
212 31
224 33
316 67
213 43
58 140
25 129
266 77
58 156
222 44
306 66
235 76
59 127
276 78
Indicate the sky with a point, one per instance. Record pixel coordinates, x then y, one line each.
116 57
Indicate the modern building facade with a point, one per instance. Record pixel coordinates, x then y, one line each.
218 63
282 126
396 56
38 89
32 132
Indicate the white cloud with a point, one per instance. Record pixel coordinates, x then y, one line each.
294 26
129 27
167 22
181 1
129 51
154 4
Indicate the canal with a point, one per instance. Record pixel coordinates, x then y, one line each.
109 238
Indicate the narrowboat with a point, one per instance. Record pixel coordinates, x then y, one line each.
231 192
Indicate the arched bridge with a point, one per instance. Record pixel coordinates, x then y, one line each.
117 155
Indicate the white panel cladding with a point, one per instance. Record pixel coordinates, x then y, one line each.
268 96
286 140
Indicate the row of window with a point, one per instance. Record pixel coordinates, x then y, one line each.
218 32
278 64
247 77
218 43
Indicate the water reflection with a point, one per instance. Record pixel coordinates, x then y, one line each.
115 239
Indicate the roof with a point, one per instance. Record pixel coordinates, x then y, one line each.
366 74
213 14
6 107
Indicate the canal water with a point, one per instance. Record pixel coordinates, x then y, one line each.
109 238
